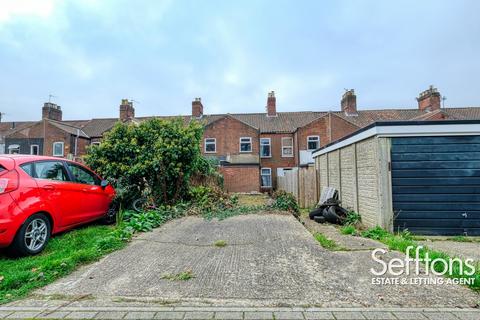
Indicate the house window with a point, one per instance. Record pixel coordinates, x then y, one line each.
14 149
287 147
265 149
96 143
210 145
246 144
34 149
313 142
266 174
58 149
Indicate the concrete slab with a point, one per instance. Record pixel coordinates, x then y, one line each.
269 260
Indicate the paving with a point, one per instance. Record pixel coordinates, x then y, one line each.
240 313
270 260
465 250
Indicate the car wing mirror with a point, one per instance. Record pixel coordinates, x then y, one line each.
104 184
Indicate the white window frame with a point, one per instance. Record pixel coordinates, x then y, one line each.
240 144
283 148
269 144
31 149
261 176
95 143
13 147
308 140
63 149
214 144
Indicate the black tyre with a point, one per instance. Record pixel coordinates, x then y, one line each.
111 215
319 219
32 237
315 212
139 204
331 215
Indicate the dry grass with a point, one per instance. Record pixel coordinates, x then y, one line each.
252 199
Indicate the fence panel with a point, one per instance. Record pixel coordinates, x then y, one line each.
302 183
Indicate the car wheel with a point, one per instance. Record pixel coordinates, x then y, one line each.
33 236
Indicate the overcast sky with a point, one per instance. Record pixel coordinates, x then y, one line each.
91 54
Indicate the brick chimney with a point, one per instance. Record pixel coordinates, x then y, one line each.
349 102
51 111
127 111
271 105
197 108
429 100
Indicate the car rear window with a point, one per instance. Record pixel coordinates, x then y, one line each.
2 168
28 168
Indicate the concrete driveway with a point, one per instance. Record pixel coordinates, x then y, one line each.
269 260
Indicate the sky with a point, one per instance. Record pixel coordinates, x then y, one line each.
162 54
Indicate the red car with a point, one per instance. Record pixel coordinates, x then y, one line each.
41 196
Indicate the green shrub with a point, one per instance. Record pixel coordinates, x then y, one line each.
376 233
209 199
148 220
285 201
352 218
157 157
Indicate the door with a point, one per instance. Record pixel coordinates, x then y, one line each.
436 184
57 191
94 199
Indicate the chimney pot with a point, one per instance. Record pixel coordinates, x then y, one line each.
429 100
271 105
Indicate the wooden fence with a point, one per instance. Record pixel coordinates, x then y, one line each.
302 183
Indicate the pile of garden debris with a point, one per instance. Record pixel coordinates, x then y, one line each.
328 208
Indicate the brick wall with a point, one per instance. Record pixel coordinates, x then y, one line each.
316 128
51 133
241 178
340 127
227 132
276 160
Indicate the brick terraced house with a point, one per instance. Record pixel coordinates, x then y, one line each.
253 149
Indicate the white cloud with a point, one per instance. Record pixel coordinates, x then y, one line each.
9 9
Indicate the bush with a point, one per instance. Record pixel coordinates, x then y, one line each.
155 158
211 198
376 233
148 220
285 201
352 218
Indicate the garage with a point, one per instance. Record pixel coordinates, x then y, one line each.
423 176
436 184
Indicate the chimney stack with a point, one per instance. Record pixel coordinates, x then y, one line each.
127 111
349 102
197 108
51 111
429 100
271 105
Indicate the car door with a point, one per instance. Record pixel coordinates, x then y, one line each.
57 191
95 199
